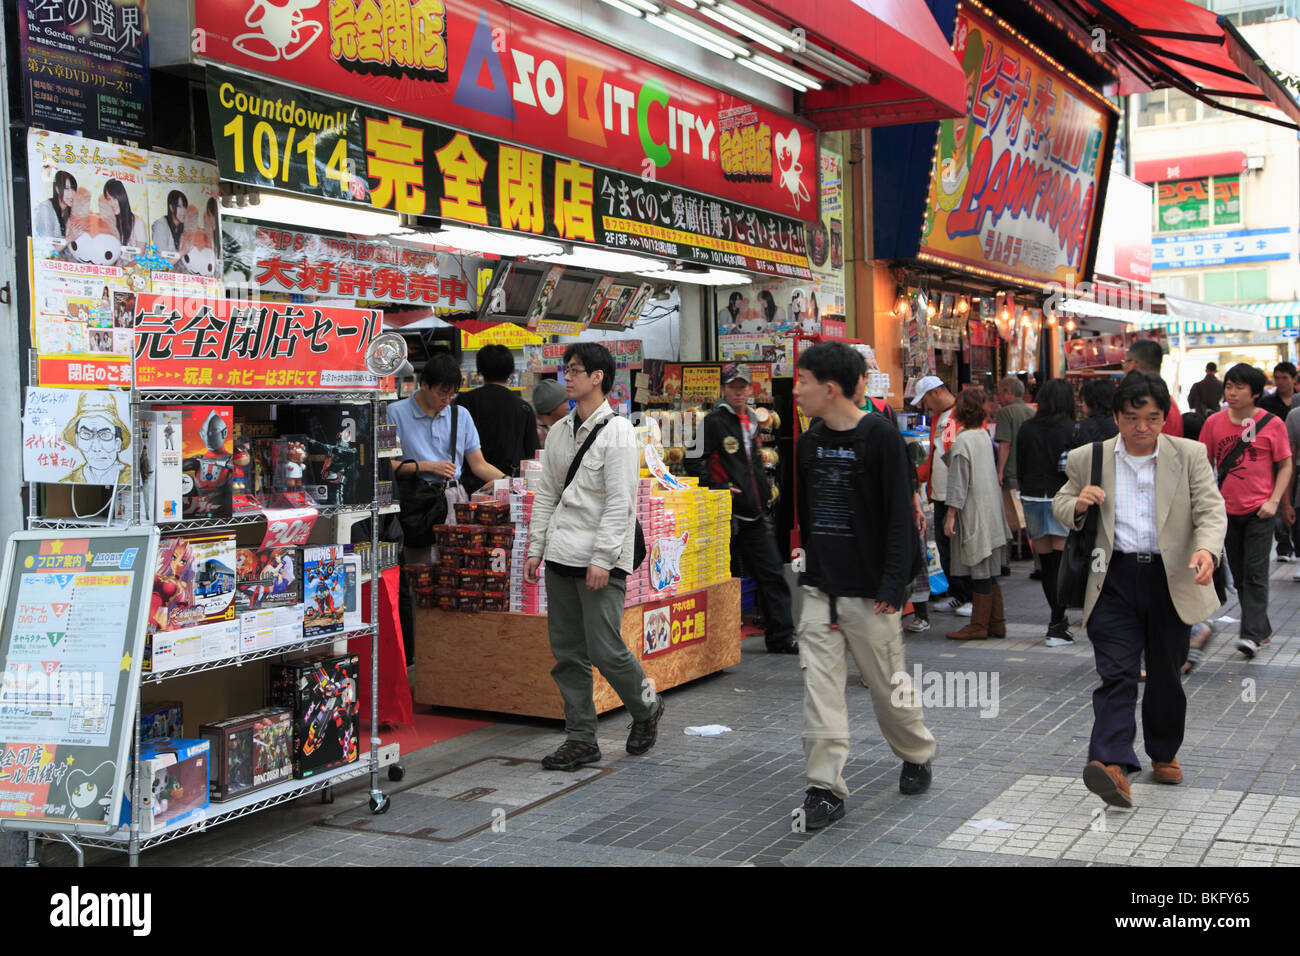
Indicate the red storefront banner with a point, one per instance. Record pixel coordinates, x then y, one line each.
229 345
492 69
674 624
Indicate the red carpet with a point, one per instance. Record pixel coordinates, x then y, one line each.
429 729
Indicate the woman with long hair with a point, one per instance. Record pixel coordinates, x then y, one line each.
212 223
130 227
975 521
1041 447
51 217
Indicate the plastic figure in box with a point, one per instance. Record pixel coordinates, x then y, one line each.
212 472
173 583
327 718
241 460
295 457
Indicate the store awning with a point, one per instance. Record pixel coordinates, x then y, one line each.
1137 317
1278 315
1189 167
915 77
1171 43
1198 317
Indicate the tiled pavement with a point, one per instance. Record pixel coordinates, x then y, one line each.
727 800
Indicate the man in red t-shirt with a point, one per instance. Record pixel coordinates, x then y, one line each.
1251 453
1145 355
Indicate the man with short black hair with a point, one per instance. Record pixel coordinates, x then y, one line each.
504 420
1159 535
861 548
1206 395
585 529
1251 453
1146 355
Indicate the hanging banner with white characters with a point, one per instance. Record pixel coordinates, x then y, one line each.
80 437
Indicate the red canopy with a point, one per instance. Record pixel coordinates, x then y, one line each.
1184 46
898 41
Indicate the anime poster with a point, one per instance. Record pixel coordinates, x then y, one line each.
778 305
674 625
77 437
185 216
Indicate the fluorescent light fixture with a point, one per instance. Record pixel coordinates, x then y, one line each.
836 64
310 215
720 16
601 260
771 74
644 5
692 30
707 277
784 69
625 7
690 4
485 241
754 25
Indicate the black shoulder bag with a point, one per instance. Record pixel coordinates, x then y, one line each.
1225 467
1076 559
423 503
638 548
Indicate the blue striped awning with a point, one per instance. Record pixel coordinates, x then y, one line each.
1278 315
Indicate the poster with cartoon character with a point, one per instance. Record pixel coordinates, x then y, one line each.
71 436
72 643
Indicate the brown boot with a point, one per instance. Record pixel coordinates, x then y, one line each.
978 628
997 617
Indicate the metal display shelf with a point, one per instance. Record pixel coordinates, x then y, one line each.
202 524
227 810
242 659
148 397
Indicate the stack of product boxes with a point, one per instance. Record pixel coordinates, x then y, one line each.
524 598
474 560
703 516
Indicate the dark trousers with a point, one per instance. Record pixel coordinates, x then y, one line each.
1135 617
958 587
1247 544
1286 535
753 547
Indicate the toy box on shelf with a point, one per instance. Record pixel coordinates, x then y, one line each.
173 783
250 752
322 695
207 463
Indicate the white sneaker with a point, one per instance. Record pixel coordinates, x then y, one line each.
1286 559
950 605
1296 576
966 610
1055 641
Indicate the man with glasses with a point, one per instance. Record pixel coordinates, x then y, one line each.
585 529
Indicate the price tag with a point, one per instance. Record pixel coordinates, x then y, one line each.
288 527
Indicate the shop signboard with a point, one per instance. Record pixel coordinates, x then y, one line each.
286 260
85 66
627 353
500 333
826 239
1221 248
230 345
674 624
409 166
484 66
1185 205
1016 182
72 645
1124 245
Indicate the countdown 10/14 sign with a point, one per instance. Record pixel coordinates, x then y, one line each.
1016 181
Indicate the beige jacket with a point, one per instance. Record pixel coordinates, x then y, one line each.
593 521
1190 517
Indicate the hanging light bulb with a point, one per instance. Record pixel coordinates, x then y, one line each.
963 305
930 310
1051 320
900 304
1069 325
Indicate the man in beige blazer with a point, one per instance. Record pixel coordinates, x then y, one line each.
1159 536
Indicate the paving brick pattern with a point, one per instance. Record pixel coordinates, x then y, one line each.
727 800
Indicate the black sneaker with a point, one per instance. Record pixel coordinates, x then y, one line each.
788 646
645 732
820 808
571 755
915 778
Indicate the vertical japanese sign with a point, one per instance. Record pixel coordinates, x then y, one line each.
85 66
72 641
1015 181
826 239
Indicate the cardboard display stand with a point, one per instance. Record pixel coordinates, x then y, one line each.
502 662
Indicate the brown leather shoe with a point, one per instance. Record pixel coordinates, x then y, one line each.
1167 772
978 628
1108 782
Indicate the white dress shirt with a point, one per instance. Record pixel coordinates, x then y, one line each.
1135 501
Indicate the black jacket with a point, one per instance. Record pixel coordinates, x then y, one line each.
1039 450
1206 395
1098 426
728 462
507 429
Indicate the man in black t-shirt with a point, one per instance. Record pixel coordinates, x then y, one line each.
853 494
506 424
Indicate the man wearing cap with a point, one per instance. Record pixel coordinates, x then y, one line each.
731 459
933 397
551 403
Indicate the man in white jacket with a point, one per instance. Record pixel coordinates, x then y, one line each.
585 529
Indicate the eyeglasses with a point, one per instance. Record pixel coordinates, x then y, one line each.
574 370
103 434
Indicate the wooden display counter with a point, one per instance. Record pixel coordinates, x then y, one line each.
502 662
